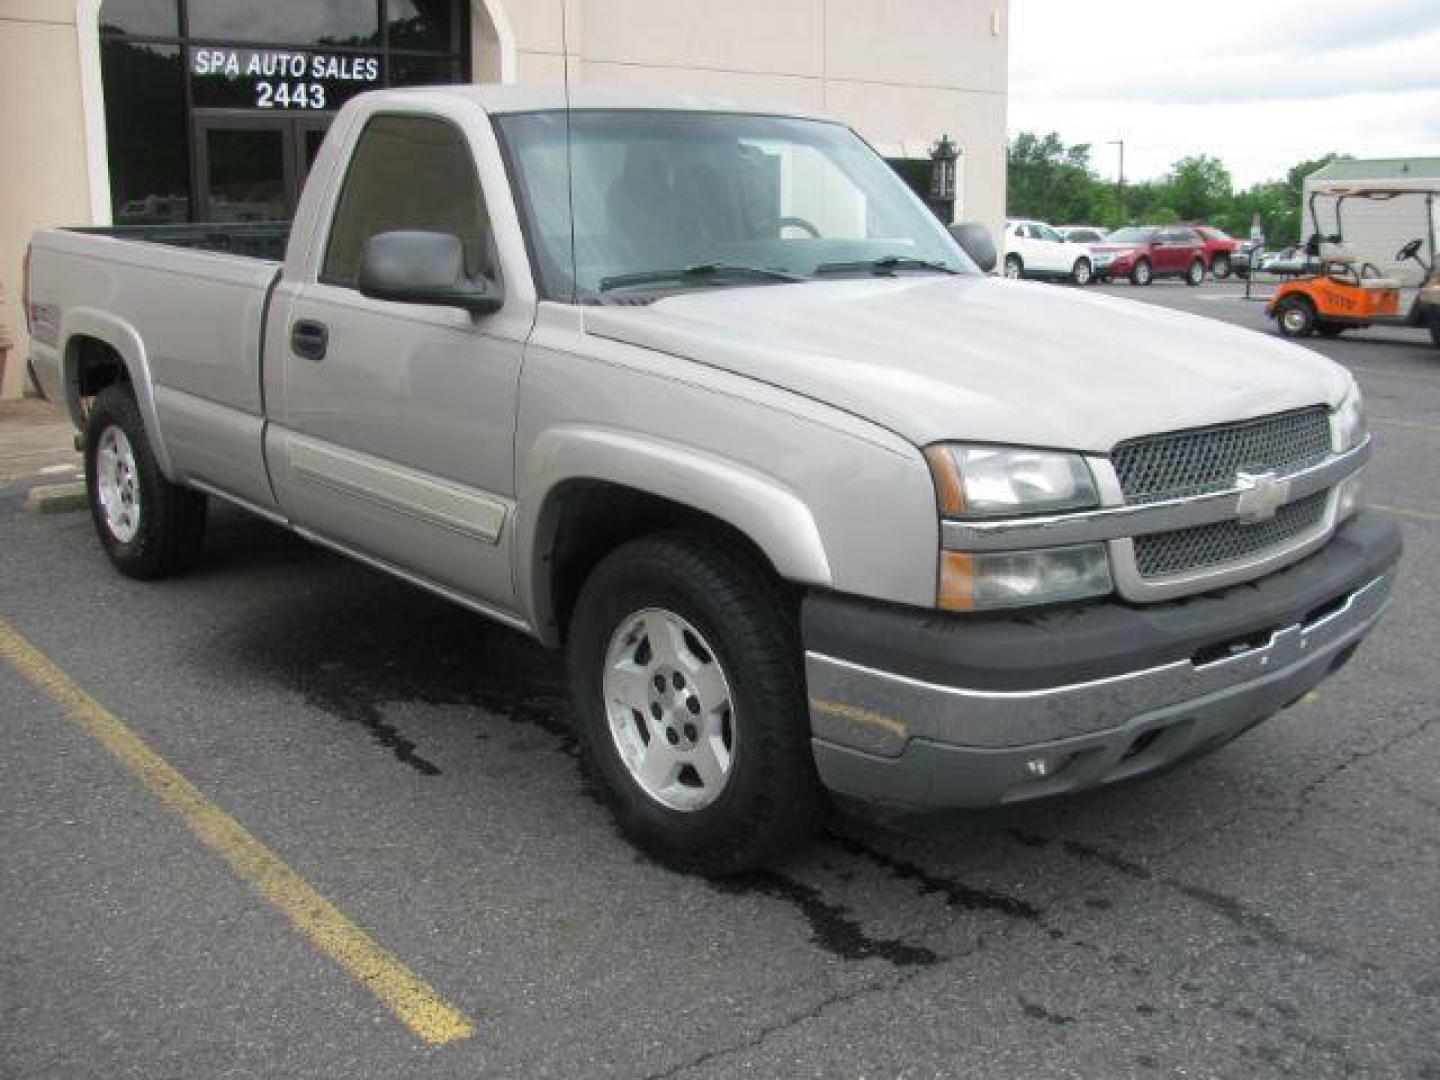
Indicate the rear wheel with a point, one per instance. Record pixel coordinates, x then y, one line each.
1295 316
1014 268
1081 273
149 527
1195 273
1220 267
1435 326
685 664
1141 273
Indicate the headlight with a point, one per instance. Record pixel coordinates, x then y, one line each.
1348 420
989 481
983 580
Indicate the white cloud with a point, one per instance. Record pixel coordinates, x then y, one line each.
1260 83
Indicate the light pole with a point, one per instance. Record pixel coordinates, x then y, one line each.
1120 186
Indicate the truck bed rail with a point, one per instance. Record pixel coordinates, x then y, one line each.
256 240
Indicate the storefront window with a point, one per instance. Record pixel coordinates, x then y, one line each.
145 116
144 18
423 70
190 84
290 22
423 24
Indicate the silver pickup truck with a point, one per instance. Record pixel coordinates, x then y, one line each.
708 397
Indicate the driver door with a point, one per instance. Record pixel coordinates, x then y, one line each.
393 423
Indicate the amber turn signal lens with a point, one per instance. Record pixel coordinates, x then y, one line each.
949 491
957 582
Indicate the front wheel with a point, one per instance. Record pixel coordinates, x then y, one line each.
1081 273
1295 316
1014 268
1195 273
149 527
1141 274
1220 267
689 693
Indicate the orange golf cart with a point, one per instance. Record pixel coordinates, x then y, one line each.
1348 292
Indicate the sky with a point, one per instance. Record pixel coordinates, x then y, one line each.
1261 84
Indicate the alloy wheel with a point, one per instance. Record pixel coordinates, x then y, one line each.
670 709
118 484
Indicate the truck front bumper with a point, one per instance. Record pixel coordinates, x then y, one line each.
927 710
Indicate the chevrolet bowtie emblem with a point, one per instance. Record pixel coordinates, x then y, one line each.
1261 494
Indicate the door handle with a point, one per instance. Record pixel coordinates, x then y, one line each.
309 339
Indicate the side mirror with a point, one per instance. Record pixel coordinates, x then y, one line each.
977 242
411 266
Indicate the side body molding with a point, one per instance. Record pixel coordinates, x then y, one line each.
126 341
766 511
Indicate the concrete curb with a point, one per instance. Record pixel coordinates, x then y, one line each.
56 498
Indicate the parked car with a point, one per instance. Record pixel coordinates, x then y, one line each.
1082 234
1035 250
1219 250
1144 253
834 510
1288 262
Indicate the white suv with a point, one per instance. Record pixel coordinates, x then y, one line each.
1034 249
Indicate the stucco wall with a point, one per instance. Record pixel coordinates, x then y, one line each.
43 166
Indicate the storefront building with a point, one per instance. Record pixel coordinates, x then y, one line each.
166 111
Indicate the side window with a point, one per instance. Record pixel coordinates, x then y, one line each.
407 172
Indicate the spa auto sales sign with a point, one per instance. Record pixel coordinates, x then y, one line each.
279 78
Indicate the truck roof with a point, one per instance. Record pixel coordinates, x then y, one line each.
497 98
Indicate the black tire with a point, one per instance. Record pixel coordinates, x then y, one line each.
772 800
1081 273
1014 267
1435 326
1195 273
1295 316
1141 273
1220 268
171 519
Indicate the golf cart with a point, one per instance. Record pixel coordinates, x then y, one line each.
1348 292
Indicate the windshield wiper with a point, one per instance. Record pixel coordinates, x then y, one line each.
696 272
885 265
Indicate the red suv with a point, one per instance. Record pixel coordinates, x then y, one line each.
1144 253
1219 247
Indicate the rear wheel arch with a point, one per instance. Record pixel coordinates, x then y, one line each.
100 351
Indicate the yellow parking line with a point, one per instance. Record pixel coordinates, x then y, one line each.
1405 511
409 997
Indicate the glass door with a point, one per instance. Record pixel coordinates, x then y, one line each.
246 168
309 134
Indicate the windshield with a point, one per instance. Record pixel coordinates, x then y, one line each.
1045 232
1131 235
666 200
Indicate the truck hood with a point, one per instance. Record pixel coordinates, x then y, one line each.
983 359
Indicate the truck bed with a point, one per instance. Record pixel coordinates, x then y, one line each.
256 240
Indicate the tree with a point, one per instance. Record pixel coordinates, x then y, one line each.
1199 187
1047 179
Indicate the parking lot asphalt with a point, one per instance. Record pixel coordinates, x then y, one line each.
1274 910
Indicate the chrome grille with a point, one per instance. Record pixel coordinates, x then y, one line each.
1164 553
1183 464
